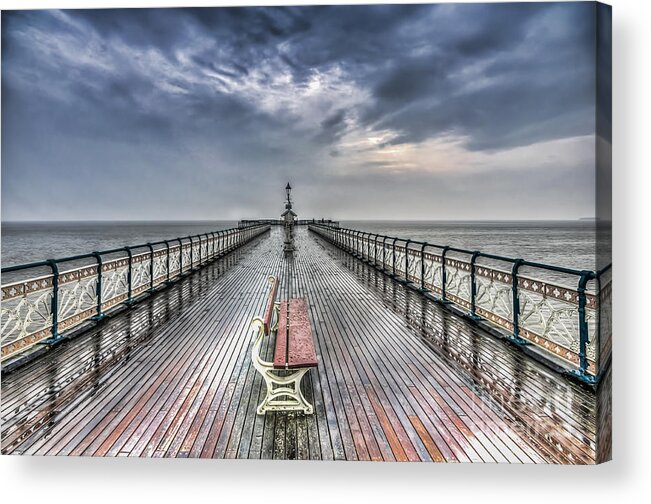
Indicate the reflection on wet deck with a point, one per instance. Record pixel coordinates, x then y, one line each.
399 377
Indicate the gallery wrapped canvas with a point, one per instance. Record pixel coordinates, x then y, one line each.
361 233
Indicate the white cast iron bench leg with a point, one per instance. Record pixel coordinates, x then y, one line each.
283 386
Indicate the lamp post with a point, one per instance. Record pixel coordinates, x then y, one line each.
288 216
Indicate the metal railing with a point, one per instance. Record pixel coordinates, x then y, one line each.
564 311
53 300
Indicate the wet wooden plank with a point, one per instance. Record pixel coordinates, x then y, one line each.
425 436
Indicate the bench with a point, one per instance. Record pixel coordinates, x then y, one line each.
294 352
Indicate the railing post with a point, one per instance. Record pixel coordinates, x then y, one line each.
394 256
368 247
375 250
191 254
444 276
54 302
167 248
98 287
180 256
407 260
151 267
584 339
129 300
516 303
200 256
473 286
422 267
384 253
212 250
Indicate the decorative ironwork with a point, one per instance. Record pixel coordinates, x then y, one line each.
186 256
175 260
26 313
160 266
571 323
458 287
77 296
140 278
414 265
494 297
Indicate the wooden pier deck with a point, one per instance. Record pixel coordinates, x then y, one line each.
399 377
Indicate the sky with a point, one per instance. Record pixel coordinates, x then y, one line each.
448 111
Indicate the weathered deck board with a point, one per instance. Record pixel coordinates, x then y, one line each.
399 378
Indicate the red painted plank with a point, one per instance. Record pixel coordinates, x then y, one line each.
427 440
280 354
387 428
301 352
270 306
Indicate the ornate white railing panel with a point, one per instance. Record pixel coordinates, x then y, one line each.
77 296
140 273
494 296
175 260
458 285
185 252
414 266
160 266
433 272
115 282
26 313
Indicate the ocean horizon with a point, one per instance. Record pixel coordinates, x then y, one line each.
569 243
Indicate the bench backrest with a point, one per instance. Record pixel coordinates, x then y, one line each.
268 314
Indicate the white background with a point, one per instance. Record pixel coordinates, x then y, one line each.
49 479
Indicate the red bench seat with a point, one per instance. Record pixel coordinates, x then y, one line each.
294 340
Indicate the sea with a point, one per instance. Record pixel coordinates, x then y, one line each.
561 243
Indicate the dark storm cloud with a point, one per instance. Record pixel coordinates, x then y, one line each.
505 80
211 102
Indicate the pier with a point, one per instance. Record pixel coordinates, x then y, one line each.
406 372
